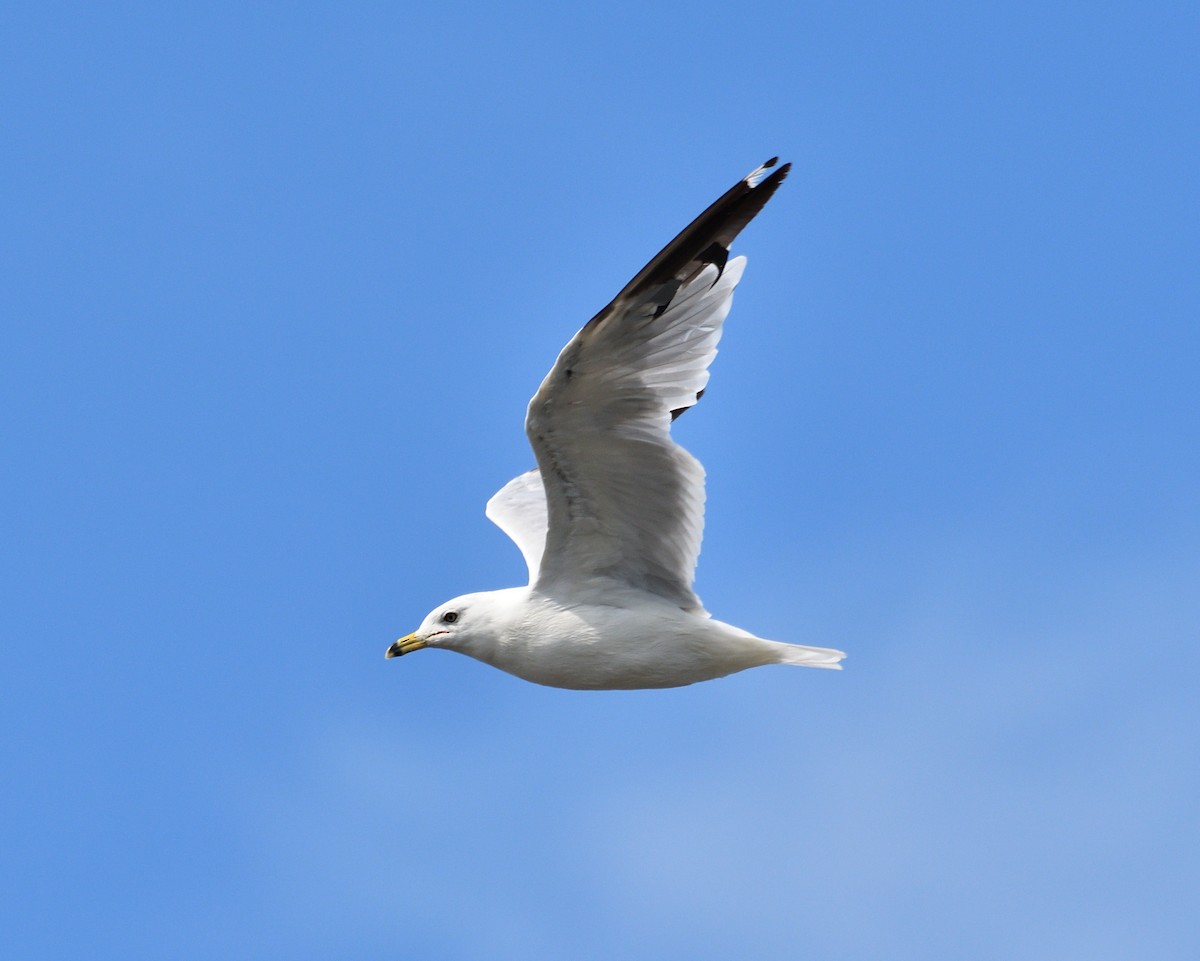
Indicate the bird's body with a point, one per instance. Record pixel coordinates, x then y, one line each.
611 519
632 641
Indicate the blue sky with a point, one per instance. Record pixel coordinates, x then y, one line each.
279 281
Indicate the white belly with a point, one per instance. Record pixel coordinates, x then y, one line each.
602 647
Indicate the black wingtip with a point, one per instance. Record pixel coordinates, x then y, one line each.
759 173
769 181
707 239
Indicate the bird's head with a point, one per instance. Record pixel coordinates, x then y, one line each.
468 624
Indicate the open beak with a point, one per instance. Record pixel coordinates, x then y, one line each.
406 645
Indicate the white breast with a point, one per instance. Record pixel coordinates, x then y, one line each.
592 646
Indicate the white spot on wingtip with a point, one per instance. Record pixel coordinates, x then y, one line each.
755 177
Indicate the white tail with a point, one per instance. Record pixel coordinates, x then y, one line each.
825 657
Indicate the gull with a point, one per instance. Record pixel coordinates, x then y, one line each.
610 520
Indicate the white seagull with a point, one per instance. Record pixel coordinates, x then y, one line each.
611 519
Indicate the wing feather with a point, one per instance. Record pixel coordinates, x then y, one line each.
519 509
622 502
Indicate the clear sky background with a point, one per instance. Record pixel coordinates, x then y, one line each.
278 281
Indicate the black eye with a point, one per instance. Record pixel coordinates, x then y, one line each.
450 617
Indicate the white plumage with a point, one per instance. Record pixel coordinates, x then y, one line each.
611 520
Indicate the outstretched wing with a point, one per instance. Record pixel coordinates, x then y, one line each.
519 509
624 503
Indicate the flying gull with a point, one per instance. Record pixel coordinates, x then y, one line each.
611 519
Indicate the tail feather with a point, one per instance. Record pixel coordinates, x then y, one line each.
806 656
